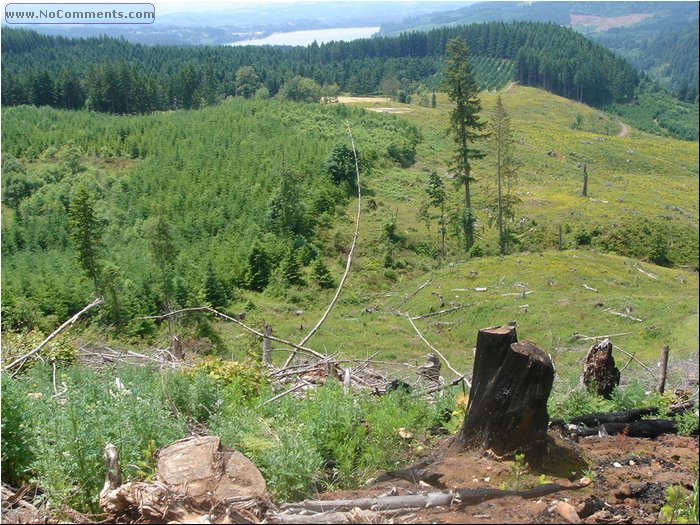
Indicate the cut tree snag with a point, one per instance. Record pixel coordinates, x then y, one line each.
599 371
267 344
664 368
507 410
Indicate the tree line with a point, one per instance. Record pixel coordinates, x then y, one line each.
114 76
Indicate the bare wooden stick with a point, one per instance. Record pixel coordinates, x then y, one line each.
589 288
620 314
631 356
664 367
58 330
446 310
289 391
583 337
458 374
408 296
350 254
649 274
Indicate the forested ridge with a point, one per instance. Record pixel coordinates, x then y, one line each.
111 75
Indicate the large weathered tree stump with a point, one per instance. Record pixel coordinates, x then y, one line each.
507 410
599 371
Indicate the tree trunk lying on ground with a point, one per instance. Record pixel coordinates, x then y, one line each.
649 428
511 383
628 422
457 497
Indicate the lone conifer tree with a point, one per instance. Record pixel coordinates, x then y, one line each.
506 166
459 82
85 231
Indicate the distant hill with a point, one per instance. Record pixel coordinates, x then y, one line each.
659 38
244 21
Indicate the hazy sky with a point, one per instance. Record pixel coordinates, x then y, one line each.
173 6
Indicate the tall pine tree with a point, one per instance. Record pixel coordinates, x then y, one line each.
459 81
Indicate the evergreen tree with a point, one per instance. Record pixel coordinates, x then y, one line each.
321 275
160 238
291 269
506 166
258 269
86 233
437 198
214 289
460 84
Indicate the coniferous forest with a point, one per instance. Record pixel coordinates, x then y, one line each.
109 75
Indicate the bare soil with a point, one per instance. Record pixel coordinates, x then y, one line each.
631 476
601 23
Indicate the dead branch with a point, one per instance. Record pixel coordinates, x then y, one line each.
582 337
406 297
350 254
649 274
58 330
352 516
440 312
631 356
458 374
289 391
620 314
458 497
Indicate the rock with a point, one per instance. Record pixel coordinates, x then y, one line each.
589 506
568 512
200 467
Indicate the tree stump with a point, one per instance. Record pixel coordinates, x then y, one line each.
599 371
511 382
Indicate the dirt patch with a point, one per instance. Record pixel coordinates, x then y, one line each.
600 24
391 110
351 100
631 476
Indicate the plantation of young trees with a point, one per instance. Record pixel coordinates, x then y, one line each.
164 211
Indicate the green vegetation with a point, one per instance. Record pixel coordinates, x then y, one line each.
328 439
681 506
465 125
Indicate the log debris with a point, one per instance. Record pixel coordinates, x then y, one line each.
457 497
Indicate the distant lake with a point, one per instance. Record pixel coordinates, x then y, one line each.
304 38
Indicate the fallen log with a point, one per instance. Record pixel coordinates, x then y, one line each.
353 516
626 416
648 428
457 497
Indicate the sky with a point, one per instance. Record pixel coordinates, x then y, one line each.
174 6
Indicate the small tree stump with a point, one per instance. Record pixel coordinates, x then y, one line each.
511 383
599 371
